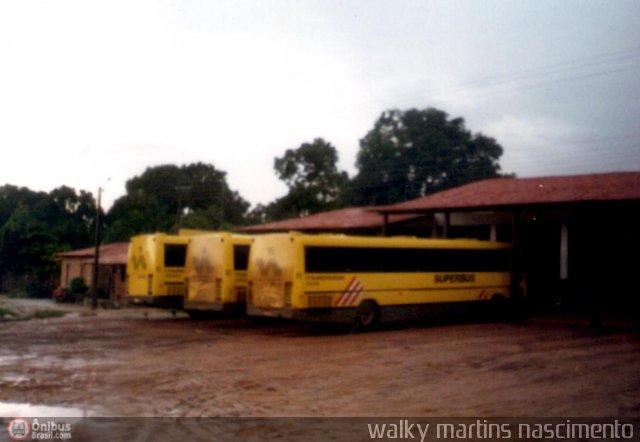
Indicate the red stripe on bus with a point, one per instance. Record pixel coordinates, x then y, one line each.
347 292
355 292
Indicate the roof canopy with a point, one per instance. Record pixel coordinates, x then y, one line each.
490 194
508 192
341 219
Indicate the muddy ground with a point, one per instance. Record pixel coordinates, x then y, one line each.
137 362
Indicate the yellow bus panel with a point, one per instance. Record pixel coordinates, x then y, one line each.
216 273
344 278
155 269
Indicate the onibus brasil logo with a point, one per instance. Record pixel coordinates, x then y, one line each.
19 428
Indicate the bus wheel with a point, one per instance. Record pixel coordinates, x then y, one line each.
368 314
198 314
499 308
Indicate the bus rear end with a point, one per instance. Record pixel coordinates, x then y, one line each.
270 274
216 273
155 270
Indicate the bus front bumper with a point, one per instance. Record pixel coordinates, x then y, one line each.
215 306
337 315
163 301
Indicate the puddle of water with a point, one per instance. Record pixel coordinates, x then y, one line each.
28 410
10 359
48 361
15 379
60 362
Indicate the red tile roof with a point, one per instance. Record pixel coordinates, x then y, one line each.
110 254
341 219
497 192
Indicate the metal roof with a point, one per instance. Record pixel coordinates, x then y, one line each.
341 219
508 192
493 193
110 254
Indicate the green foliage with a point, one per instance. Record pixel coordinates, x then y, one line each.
45 314
409 154
314 181
78 286
17 293
166 198
4 311
35 225
260 214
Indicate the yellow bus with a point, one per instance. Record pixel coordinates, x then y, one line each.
336 278
155 270
216 273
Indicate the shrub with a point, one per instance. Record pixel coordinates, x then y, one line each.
62 294
78 288
17 293
8 312
44 314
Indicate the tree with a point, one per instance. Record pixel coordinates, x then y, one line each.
409 154
312 176
166 198
35 225
76 215
26 242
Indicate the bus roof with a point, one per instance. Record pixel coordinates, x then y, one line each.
234 237
163 237
393 241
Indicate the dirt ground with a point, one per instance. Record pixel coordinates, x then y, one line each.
139 362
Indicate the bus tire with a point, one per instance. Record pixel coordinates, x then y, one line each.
499 307
198 314
518 304
368 314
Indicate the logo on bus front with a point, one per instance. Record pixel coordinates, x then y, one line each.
202 265
269 265
138 260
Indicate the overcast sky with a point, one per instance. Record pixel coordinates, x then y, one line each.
92 93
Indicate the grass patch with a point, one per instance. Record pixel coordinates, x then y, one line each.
17 293
8 312
44 314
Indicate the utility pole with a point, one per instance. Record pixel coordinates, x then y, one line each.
96 257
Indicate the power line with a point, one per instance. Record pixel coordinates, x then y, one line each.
606 58
543 84
604 139
491 82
